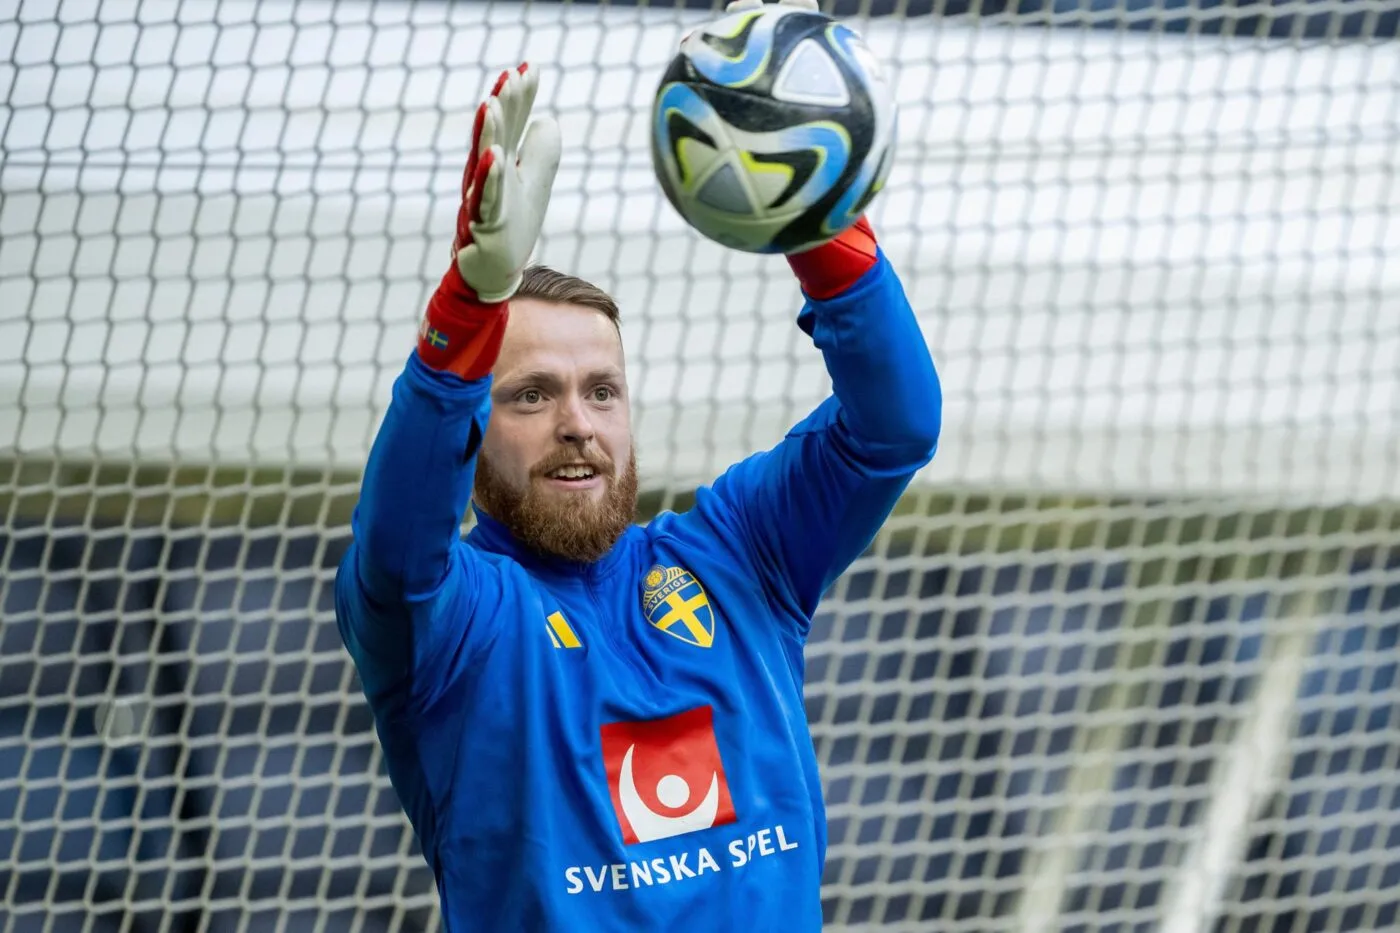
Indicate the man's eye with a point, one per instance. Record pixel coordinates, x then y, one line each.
531 397
602 394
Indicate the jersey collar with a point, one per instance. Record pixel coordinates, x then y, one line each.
490 535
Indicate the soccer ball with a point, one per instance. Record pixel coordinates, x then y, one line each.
772 129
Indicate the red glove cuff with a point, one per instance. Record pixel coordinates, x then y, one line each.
828 270
460 333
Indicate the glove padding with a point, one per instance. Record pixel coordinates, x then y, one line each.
505 188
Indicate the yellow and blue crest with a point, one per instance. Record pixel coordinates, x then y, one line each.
675 602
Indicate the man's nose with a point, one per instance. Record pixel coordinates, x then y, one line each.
575 426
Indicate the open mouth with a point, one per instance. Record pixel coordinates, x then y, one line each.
579 473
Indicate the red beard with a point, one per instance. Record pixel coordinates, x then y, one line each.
574 527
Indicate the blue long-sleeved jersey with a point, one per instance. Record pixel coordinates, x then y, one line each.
623 745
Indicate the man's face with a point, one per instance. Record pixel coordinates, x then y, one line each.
557 466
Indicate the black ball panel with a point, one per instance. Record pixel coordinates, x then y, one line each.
754 114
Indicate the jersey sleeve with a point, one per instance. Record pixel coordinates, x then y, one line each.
804 510
408 590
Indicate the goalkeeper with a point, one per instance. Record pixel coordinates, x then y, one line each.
595 725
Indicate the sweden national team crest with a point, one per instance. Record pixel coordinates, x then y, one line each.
675 602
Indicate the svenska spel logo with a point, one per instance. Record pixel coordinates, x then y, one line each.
665 776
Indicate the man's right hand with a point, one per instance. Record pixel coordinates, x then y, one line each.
505 188
505 191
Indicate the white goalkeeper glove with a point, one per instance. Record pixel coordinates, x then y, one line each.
505 188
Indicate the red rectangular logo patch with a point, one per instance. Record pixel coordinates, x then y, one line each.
665 776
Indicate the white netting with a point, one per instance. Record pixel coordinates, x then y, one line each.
1126 657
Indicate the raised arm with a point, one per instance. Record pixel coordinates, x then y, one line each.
807 508
407 588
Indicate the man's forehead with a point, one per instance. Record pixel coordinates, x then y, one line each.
569 335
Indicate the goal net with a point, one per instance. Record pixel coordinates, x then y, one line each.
1124 658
